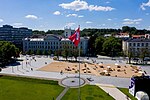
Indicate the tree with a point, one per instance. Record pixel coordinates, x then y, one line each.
91 45
75 53
125 29
66 51
38 32
98 44
30 52
57 53
7 51
130 55
49 32
143 53
112 46
44 52
38 52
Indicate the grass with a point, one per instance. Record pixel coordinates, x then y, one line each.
126 91
88 92
19 88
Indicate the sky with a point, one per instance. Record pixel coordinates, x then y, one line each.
58 14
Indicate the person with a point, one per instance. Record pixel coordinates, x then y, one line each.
61 72
31 69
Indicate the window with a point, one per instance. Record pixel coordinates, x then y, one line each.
146 44
142 44
138 44
134 44
130 44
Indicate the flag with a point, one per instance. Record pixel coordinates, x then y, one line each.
75 38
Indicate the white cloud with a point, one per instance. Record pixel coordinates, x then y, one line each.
107 2
57 13
80 16
109 19
128 23
145 5
89 22
70 24
78 5
126 19
31 17
132 21
72 15
17 24
1 20
103 24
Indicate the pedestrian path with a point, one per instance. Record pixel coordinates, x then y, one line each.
62 93
113 91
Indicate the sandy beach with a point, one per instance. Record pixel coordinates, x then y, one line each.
116 70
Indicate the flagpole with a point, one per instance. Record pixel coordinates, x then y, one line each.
79 72
75 38
79 75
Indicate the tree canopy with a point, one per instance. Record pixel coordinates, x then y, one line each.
7 51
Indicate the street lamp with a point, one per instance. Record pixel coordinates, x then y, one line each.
12 69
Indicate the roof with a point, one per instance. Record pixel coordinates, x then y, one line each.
138 40
123 34
137 36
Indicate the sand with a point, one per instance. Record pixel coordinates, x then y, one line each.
116 70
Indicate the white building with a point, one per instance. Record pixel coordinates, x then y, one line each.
135 45
53 42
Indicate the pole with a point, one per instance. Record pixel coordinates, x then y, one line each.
22 64
79 76
12 69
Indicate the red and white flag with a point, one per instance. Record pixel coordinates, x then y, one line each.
75 38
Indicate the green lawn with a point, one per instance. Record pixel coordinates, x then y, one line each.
88 92
126 91
17 88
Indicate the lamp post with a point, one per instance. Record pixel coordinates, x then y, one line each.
12 69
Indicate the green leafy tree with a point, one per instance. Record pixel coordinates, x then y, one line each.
38 52
75 53
57 53
7 51
130 55
66 51
112 46
49 52
44 52
143 53
98 44
32 52
49 32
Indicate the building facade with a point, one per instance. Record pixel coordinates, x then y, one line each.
136 46
14 35
53 43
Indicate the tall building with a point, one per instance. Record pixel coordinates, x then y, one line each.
68 32
53 42
14 35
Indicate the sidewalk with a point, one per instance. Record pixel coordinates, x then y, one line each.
113 91
62 93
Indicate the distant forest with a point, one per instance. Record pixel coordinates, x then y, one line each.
98 32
